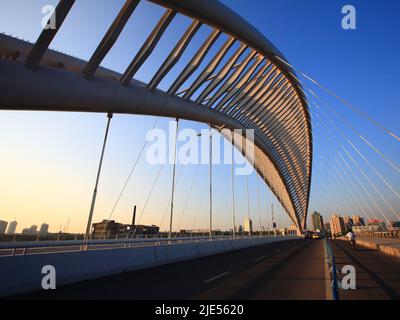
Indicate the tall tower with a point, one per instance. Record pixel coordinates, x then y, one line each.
12 227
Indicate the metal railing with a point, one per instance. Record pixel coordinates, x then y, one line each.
330 261
380 234
45 247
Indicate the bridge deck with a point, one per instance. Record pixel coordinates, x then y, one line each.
225 276
285 270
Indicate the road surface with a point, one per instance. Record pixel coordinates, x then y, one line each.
274 271
279 271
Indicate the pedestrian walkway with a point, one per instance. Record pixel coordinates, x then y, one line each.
377 274
387 246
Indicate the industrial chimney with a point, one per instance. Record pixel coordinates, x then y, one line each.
134 216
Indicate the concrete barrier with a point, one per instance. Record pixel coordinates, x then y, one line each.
206 248
160 253
391 250
179 252
368 244
220 246
387 246
23 273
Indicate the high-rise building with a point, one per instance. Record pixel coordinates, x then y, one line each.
337 225
317 222
247 225
348 222
3 226
44 229
12 227
358 221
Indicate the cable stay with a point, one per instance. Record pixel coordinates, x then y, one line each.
361 184
128 178
352 193
188 197
149 196
370 182
354 188
258 200
248 203
199 206
355 163
131 173
328 144
323 171
359 152
169 199
345 102
348 124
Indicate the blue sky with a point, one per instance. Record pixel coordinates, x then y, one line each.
62 149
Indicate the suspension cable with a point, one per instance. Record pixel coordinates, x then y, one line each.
367 215
203 193
348 124
248 205
128 178
233 184
347 139
148 197
188 197
259 204
169 199
356 110
359 168
366 160
131 173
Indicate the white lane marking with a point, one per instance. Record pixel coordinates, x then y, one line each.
217 277
260 258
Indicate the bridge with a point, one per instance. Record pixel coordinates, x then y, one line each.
235 81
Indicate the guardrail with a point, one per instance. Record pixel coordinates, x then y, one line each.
380 234
23 272
330 261
26 248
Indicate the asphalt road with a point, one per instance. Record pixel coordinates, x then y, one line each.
280 271
285 270
377 274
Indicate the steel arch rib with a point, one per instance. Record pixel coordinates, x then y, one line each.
58 84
